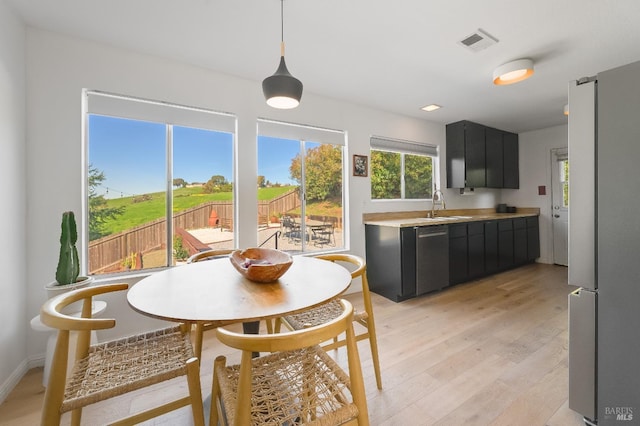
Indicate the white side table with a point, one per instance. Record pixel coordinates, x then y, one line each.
99 306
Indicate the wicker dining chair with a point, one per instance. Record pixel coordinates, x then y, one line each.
298 382
332 309
105 370
252 327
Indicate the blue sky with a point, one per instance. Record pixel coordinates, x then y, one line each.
132 155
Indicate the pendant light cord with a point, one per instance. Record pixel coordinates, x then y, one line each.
282 28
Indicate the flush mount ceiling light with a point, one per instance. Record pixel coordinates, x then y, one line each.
431 107
513 72
282 90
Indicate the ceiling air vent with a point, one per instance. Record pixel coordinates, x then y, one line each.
478 41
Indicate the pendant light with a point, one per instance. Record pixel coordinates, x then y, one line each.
282 90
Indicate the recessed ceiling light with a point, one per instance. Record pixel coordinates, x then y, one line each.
513 72
431 107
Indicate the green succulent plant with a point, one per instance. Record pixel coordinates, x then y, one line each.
68 265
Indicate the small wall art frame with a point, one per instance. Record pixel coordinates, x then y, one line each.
360 165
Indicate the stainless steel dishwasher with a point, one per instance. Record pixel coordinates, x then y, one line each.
432 258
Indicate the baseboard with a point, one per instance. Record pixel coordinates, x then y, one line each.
36 361
17 375
13 380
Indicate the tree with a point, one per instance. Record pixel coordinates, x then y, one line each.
179 182
261 182
217 183
99 211
385 175
417 176
323 172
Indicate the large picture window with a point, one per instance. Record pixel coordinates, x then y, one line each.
159 182
401 169
300 187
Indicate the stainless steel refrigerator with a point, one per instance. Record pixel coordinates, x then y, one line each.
604 246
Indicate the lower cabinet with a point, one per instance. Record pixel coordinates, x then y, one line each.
458 253
482 248
491 246
533 238
391 261
519 241
505 244
475 239
475 249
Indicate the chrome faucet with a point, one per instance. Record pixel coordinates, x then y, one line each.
437 199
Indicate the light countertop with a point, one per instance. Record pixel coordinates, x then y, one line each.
442 217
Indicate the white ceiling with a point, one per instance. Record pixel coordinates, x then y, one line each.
392 55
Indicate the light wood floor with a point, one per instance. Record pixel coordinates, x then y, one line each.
488 352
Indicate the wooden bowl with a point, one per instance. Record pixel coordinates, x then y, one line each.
261 265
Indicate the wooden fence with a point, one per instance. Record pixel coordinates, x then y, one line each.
281 204
106 254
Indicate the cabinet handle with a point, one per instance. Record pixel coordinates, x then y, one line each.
436 234
556 215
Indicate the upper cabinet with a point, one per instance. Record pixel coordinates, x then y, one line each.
481 157
510 166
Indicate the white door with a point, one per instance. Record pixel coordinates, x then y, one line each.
560 205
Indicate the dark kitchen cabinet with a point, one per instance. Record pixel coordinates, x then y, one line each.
480 156
465 155
533 238
511 169
474 156
505 244
502 159
491 246
476 249
494 157
520 241
458 253
391 261
456 170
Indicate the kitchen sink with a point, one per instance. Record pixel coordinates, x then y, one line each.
440 219
430 219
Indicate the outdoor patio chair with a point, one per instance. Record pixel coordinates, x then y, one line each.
291 229
324 235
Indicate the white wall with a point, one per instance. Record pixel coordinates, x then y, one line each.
535 170
58 68
13 175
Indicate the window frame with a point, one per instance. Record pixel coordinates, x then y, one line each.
305 134
404 147
96 102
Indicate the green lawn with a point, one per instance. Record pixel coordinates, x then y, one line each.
153 206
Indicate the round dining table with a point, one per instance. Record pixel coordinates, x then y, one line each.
213 291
